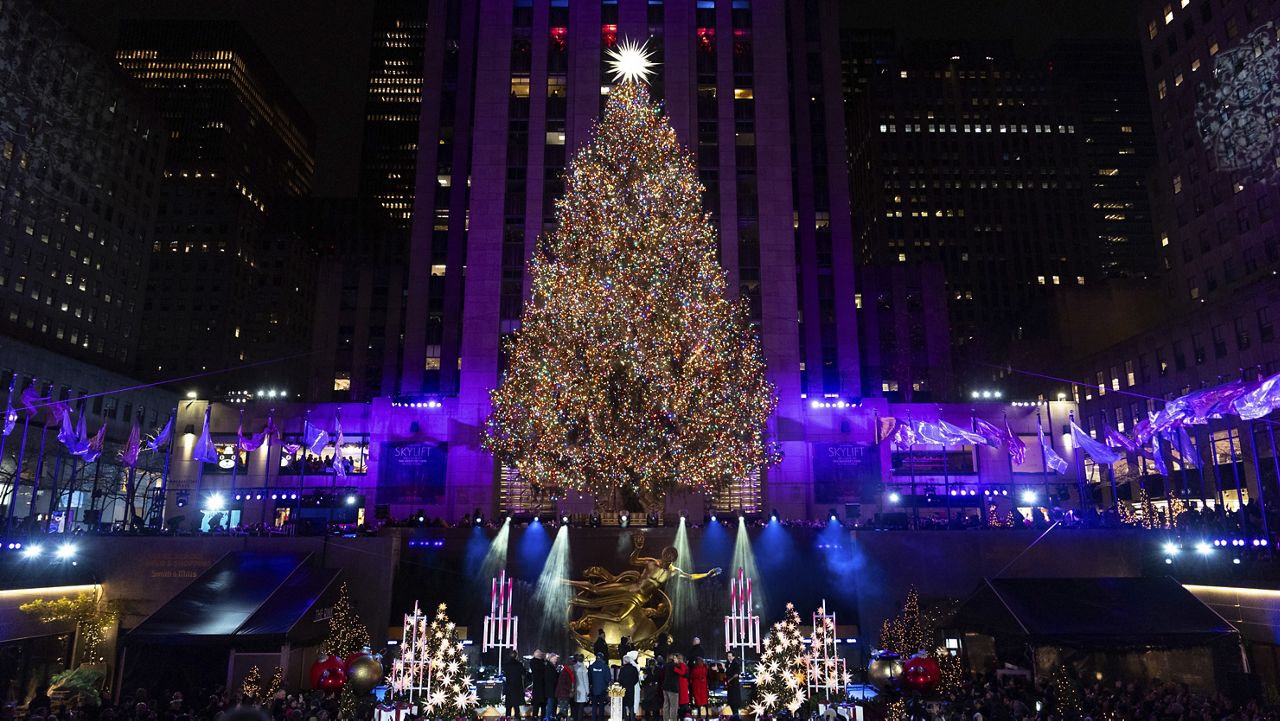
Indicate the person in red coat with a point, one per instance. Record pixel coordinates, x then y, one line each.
698 684
680 670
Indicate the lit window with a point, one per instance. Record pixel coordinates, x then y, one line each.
743 93
902 257
1177 184
1108 171
1079 280
903 74
1126 128
437 270
555 138
1162 89
1152 29
1057 280
1177 80
1040 279
342 382
1195 65
1164 240
1168 14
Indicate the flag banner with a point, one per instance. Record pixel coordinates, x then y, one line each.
992 434
1143 432
1259 399
960 436
93 451
1116 439
55 412
204 450
339 463
30 398
1051 457
73 438
1017 449
904 436
253 443
1099 452
1186 449
129 455
10 420
314 439
1157 456
162 438
1199 407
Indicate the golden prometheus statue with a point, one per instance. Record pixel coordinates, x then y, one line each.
633 603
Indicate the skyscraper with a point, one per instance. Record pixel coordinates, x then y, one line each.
392 108
753 87
237 140
968 158
1211 70
80 156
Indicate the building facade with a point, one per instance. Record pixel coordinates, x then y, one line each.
1210 69
80 161
237 141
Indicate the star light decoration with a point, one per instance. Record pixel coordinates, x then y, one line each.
631 373
630 62
780 675
432 668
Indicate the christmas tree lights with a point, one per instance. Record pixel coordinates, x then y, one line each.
432 669
347 633
631 373
780 675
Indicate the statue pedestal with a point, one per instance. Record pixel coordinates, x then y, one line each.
615 708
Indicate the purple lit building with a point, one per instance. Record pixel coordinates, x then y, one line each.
1211 70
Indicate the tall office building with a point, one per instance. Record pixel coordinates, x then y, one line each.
392 108
969 159
80 156
1211 72
1105 82
752 87
237 140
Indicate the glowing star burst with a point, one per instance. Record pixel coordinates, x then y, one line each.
630 61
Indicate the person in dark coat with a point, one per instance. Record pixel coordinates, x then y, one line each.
551 676
599 677
696 651
538 681
675 687
624 646
601 647
629 680
513 684
663 646
733 683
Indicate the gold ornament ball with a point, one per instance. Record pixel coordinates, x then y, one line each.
884 671
364 672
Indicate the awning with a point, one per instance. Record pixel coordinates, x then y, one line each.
245 595
1108 612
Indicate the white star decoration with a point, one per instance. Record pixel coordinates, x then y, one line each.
630 61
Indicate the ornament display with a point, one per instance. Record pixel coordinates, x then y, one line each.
921 673
885 670
322 664
333 679
364 671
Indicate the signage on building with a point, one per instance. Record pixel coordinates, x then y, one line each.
842 472
930 462
411 472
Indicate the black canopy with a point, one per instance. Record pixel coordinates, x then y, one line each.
245 595
1091 612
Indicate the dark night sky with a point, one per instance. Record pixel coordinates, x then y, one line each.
321 47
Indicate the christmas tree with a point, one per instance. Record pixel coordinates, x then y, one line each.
826 671
432 668
910 631
347 633
632 373
780 675
251 686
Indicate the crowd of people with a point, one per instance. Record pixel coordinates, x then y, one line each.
670 685
984 697
217 704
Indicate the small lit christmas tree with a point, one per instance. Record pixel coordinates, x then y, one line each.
1067 698
951 671
827 676
432 668
909 632
251 686
1177 507
780 675
347 633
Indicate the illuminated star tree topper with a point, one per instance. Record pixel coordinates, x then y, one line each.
629 61
632 374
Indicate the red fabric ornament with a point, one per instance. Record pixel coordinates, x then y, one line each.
921 674
333 679
322 664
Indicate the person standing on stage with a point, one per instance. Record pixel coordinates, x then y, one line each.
696 652
675 687
733 683
601 647
698 691
629 679
600 678
538 683
565 689
581 687
513 685
551 672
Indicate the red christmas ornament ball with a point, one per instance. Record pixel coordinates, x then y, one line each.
322 664
921 674
333 679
